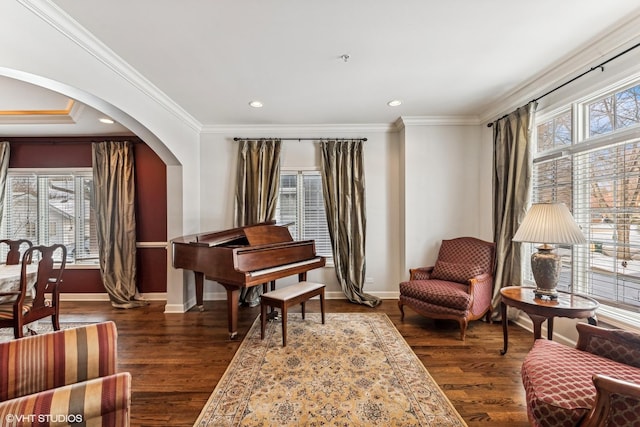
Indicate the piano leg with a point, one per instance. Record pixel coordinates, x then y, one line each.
273 314
199 286
233 297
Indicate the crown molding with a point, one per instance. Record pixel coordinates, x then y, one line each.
282 130
405 121
67 26
601 47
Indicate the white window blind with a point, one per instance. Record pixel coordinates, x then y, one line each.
52 207
301 203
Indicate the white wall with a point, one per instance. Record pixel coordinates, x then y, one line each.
447 188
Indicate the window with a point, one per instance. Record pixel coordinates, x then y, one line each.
52 207
301 204
588 156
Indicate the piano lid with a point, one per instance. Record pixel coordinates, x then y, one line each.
250 235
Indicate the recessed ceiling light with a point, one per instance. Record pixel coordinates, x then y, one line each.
106 120
256 104
394 103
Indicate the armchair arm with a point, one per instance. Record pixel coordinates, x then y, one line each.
482 278
101 401
615 344
617 403
420 273
481 291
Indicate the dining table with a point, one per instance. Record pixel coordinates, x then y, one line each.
10 279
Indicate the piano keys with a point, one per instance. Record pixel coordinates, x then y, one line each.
243 257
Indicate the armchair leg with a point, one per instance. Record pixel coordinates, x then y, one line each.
401 307
487 316
463 328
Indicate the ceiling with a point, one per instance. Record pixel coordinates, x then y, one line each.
440 58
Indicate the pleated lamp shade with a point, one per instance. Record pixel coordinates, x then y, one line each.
550 223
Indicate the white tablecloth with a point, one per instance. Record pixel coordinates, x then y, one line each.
10 278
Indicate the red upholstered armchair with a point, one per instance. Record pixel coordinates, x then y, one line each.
459 286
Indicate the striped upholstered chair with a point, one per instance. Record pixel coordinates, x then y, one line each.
68 376
459 286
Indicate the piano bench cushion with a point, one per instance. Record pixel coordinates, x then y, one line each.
293 291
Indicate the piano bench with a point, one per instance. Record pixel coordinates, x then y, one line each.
284 298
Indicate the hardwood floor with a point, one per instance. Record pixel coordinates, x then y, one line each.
177 359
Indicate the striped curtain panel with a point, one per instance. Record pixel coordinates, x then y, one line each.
258 181
4 166
511 192
345 203
114 203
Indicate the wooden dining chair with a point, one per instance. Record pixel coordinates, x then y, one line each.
30 303
15 249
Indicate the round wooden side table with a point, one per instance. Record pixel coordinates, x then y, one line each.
566 305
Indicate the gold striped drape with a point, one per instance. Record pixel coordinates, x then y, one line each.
344 197
511 192
258 181
114 203
4 167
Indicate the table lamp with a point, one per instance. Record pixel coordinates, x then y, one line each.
548 223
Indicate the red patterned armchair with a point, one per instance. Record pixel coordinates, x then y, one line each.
65 377
459 286
597 383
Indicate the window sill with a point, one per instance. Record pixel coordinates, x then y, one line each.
619 318
82 267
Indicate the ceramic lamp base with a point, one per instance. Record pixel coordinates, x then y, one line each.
546 265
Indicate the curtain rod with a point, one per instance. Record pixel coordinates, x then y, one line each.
597 67
300 139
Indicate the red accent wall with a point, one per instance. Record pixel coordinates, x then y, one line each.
151 203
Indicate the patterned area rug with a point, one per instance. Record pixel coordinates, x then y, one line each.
356 370
39 327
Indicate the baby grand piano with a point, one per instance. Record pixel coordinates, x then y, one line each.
243 257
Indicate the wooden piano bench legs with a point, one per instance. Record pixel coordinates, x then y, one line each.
286 297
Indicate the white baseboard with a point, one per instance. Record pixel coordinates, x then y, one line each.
208 296
525 322
151 296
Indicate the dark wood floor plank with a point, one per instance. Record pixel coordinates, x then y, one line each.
176 360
